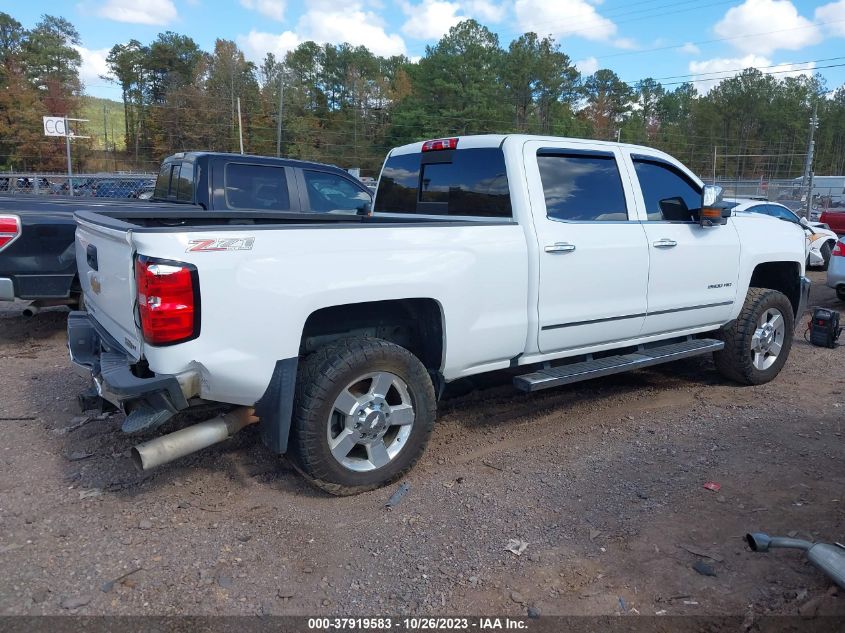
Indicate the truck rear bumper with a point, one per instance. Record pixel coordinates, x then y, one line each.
34 287
148 401
7 289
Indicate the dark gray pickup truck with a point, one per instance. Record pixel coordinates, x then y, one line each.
37 259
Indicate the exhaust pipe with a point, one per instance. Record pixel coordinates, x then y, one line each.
35 307
829 558
193 438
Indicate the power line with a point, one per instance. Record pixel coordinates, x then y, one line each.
721 39
714 72
566 21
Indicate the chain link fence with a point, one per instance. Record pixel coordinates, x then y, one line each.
102 185
789 192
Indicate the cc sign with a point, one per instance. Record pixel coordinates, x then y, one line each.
54 126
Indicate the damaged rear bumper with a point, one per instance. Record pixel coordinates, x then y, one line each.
148 399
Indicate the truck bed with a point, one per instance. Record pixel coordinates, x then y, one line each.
177 217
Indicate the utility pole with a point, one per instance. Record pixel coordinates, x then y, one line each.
715 155
807 181
105 130
279 115
240 126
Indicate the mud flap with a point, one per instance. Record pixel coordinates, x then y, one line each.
275 407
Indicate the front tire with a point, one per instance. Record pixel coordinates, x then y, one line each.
826 251
757 343
840 293
363 413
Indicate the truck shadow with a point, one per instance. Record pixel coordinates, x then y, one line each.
96 453
495 401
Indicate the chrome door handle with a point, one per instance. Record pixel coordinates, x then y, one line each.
560 247
665 243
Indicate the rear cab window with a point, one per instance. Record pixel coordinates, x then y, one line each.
469 182
175 182
162 186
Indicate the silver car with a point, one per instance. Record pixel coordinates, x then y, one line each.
836 269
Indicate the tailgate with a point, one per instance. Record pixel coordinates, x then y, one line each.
105 258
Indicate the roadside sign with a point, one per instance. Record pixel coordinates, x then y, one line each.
58 126
55 126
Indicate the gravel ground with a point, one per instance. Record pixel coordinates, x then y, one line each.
602 480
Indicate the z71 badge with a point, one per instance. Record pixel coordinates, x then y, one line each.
214 245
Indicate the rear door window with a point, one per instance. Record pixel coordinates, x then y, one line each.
463 182
582 186
250 186
332 193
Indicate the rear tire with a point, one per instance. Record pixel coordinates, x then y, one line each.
363 413
757 343
840 293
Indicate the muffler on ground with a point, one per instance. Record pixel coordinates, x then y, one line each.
191 439
829 558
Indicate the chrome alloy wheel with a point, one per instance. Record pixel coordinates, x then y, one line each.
767 340
370 421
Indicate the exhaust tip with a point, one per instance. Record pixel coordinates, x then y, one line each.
758 541
30 312
137 459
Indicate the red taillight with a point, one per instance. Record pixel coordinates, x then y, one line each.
168 300
839 250
439 144
10 229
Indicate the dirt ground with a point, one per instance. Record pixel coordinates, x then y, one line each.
603 480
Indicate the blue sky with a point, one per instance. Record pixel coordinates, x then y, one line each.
673 41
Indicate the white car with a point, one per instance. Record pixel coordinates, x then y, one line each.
820 239
336 334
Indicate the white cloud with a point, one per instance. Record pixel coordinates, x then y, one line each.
430 19
139 11
563 18
626 43
832 18
326 22
257 44
484 11
711 71
273 9
587 66
93 64
690 49
350 24
758 16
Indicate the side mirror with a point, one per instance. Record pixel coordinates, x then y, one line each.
713 212
804 222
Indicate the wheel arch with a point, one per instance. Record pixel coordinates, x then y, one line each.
414 323
783 276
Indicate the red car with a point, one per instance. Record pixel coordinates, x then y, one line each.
835 220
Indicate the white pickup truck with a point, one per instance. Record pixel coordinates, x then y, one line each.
554 259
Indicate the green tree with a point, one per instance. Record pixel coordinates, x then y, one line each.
608 101
456 86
